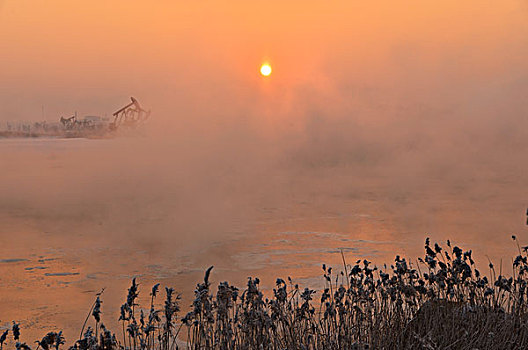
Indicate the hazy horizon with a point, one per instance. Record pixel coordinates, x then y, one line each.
381 124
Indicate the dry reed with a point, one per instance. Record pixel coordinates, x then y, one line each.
441 302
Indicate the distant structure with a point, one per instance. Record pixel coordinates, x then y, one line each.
69 123
130 115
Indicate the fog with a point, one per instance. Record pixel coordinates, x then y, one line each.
382 123
410 100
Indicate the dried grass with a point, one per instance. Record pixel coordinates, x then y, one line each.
442 302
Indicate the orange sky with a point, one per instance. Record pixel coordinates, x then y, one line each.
382 120
174 55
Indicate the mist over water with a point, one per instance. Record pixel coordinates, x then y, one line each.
371 134
166 206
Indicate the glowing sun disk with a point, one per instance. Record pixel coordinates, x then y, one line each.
265 69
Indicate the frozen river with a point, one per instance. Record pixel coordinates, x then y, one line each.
81 215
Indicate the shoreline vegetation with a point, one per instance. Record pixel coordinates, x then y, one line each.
440 302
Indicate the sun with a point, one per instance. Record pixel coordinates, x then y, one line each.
265 69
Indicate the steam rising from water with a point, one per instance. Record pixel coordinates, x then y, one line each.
390 126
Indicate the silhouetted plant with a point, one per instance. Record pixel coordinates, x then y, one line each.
442 302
